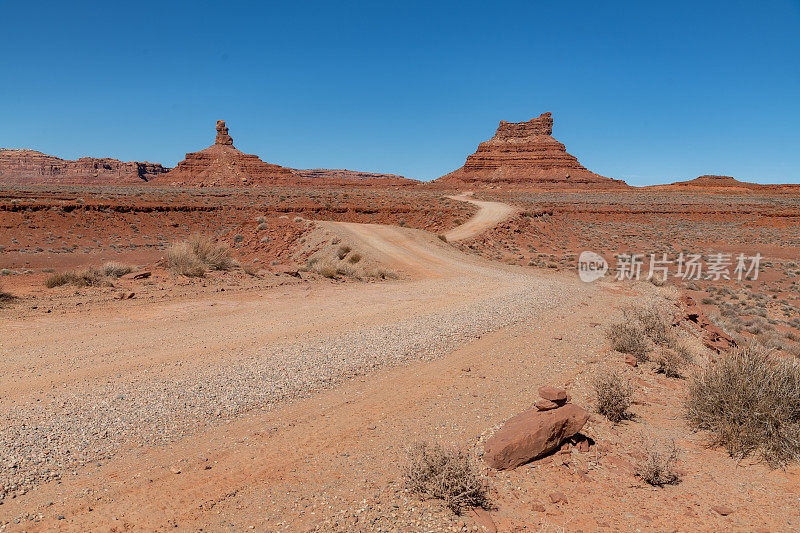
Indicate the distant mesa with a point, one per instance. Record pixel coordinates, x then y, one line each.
222 165
343 175
29 167
714 183
525 154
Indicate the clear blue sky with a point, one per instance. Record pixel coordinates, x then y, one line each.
644 91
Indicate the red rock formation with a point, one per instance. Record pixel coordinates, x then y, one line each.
29 167
341 174
525 154
712 183
222 165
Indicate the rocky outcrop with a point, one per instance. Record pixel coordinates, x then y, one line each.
222 165
29 167
525 154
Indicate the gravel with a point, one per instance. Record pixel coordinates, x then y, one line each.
39 442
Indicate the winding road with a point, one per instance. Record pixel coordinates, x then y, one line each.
236 409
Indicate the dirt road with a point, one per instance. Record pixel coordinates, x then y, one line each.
488 216
241 409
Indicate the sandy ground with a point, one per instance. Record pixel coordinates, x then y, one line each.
291 409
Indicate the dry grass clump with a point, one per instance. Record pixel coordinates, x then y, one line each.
448 475
88 277
628 338
640 326
654 321
6 297
112 269
614 395
354 258
194 256
750 403
658 466
674 359
342 252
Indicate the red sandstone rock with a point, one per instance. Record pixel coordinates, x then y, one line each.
712 335
222 165
523 153
532 434
554 394
544 405
137 275
29 167
723 509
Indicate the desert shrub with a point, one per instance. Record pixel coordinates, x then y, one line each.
381 273
750 404
6 297
669 363
261 219
629 338
112 269
263 226
655 322
324 269
672 360
197 254
342 252
657 468
183 261
448 475
238 238
87 277
354 258
614 394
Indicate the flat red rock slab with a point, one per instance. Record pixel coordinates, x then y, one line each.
532 434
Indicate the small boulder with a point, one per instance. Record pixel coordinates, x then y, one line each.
544 405
554 394
631 360
722 509
532 434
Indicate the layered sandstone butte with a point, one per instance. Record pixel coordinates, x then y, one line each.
222 165
525 154
29 167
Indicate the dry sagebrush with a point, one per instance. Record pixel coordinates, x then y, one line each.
614 395
749 401
657 468
198 254
88 277
448 475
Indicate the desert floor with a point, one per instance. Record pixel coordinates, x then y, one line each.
291 406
